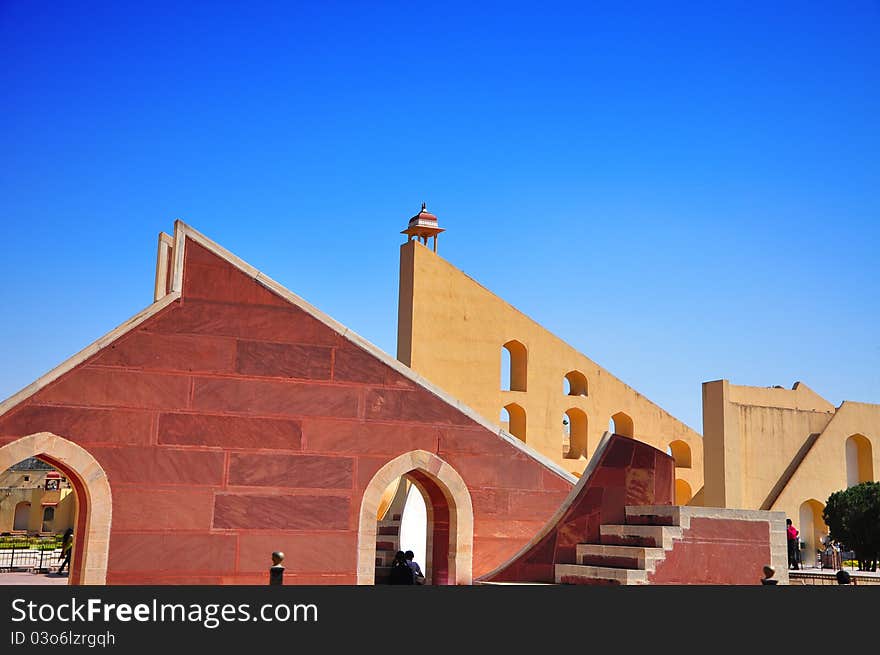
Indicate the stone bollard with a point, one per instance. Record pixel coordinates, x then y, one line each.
276 572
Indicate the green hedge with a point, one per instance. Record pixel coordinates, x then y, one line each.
38 543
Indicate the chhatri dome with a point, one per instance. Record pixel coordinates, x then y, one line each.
423 226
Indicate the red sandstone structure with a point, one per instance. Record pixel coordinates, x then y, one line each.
231 419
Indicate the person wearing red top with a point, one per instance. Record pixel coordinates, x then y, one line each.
793 554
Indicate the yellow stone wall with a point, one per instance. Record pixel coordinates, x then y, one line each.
784 450
451 330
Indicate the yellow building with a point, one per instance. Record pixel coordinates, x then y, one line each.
35 499
781 449
459 335
761 448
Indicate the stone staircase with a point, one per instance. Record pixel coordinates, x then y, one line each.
387 545
626 553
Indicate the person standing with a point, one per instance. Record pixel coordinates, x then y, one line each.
792 537
66 548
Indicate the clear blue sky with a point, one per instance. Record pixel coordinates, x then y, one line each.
684 191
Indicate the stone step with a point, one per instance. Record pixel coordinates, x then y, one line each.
653 515
488 583
598 575
626 557
650 536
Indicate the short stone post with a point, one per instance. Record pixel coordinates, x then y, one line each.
276 572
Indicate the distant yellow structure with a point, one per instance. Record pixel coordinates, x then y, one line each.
762 448
35 500
787 450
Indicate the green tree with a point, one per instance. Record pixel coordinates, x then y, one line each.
853 517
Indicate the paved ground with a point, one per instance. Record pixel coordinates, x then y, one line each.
24 578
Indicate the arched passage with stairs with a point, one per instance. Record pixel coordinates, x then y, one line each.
450 517
812 530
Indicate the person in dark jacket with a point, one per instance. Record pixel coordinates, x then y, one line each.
401 573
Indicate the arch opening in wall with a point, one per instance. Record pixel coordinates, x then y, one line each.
622 424
574 384
37 500
93 502
417 525
22 517
515 420
683 493
574 437
449 517
48 524
812 531
859 460
404 521
514 366
681 453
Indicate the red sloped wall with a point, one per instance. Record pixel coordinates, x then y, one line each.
232 424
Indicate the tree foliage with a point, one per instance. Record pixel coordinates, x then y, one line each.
853 517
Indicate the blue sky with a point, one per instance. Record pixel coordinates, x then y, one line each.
684 193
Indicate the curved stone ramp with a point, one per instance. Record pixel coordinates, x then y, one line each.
622 472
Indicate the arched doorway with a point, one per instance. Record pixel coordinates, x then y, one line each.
513 419
812 530
574 384
621 423
683 492
450 517
514 366
574 440
92 530
22 516
859 460
681 453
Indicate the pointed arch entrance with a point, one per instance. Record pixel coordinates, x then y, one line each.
450 517
94 504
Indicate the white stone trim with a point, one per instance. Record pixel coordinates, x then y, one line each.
163 257
461 514
621 576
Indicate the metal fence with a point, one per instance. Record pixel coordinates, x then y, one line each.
35 554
